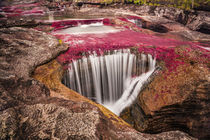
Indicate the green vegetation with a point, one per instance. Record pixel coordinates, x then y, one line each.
183 4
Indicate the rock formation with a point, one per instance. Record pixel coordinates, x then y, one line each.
184 69
175 99
35 105
31 110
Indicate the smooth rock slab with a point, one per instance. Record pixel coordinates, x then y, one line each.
23 49
177 99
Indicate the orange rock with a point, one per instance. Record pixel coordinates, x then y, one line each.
51 74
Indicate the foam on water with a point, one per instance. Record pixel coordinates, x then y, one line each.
93 28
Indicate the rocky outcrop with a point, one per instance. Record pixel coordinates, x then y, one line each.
199 21
16 2
171 29
188 69
194 20
21 51
177 99
19 22
174 23
24 49
24 13
30 109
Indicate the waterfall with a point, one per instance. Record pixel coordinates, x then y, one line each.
113 80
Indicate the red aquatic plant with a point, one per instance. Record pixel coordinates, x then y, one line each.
22 10
163 49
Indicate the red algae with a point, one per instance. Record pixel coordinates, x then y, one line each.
22 10
163 49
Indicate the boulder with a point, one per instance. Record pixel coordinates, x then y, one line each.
23 49
199 21
164 27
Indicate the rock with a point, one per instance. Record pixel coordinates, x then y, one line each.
28 109
171 29
105 125
196 21
16 2
27 13
199 21
24 49
170 13
156 18
18 22
176 99
62 119
21 51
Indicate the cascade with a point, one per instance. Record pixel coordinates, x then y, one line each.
113 79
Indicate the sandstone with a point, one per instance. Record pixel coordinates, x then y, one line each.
175 100
106 125
24 49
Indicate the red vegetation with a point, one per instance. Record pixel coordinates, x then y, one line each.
160 48
22 10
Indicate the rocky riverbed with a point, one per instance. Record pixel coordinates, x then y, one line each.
174 104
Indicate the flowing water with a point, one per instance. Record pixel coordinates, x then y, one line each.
113 79
93 28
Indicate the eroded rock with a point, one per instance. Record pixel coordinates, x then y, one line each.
23 49
176 99
27 108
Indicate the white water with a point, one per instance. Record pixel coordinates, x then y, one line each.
108 79
93 28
